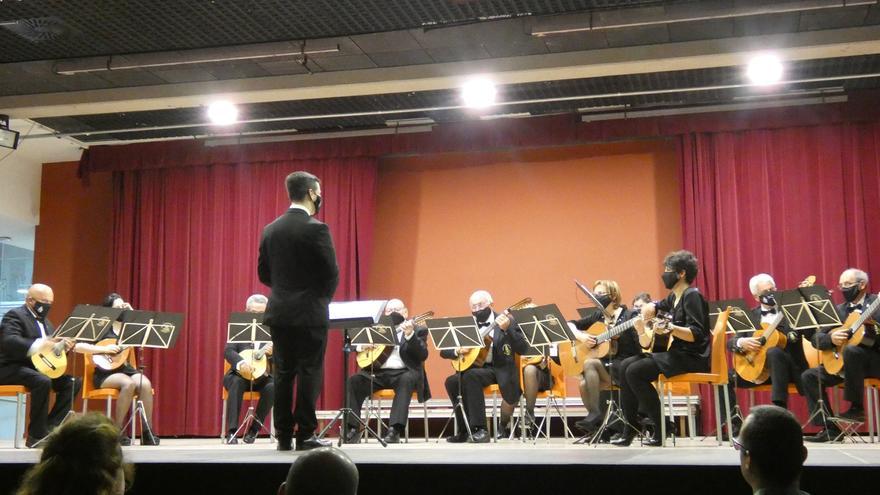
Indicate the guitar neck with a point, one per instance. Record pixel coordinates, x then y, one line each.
869 310
775 323
615 331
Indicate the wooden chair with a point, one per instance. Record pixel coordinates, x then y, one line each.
557 391
872 396
493 391
388 394
716 378
20 392
109 394
246 397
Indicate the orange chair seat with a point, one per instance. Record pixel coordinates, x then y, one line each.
7 390
712 378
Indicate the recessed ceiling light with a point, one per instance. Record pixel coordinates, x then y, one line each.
764 70
479 92
222 113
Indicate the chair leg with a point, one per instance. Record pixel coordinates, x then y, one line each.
660 392
751 399
494 416
85 405
876 394
19 419
223 422
690 417
671 413
564 419
108 409
729 417
717 398
425 409
870 414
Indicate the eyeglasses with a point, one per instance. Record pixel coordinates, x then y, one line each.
847 286
739 447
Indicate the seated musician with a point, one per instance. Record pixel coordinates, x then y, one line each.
599 373
403 372
236 384
129 381
687 352
785 365
859 361
640 300
25 331
500 367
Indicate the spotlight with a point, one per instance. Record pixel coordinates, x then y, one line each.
222 113
478 93
764 70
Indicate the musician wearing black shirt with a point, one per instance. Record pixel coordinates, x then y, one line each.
688 350
859 361
236 384
403 371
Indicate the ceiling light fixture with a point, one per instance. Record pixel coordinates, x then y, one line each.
222 113
478 93
764 70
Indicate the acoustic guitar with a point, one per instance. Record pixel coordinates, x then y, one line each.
476 356
856 333
378 355
257 360
110 362
51 359
573 354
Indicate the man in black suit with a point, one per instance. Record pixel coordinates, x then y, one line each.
500 368
859 362
298 262
403 371
237 385
23 332
785 365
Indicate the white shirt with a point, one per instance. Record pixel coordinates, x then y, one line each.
484 331
395 362
38 342
294 206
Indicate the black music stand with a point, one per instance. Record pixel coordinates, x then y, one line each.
143 329
382 333
740 320
454 333
346 315
544 326
247 328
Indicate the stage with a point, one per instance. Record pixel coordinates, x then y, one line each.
207 466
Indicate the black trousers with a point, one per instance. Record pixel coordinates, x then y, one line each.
473 381
858 363
783 370
299 357
237 386
41 419
637 392
403 381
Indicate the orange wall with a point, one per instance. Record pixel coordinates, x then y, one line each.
523 223
72 245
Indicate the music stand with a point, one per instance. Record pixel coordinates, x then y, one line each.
450 334
247 328
141 329
346 315
740 319
542 327
593 298
382 333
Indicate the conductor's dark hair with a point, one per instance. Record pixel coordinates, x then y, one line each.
682 260
298 185
108 300
774 441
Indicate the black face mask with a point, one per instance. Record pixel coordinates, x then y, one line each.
483 314
851 293
41 309
669 279
604 300
767 299
396 318
317 202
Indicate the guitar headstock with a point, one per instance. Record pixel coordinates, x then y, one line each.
520 304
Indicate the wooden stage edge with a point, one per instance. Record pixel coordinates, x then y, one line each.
558 452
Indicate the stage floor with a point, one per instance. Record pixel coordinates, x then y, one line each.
557 452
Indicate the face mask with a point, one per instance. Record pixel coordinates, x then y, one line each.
396 318
41 309
317 202
483 314
604 300
768 299
851 293
669 279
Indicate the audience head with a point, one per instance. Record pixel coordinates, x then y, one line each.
481 305
256 304
771 448
39 299
853 284
83 456
640 300
304 189
679 265
321 471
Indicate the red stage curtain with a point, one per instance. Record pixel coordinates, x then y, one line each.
186 241
790 202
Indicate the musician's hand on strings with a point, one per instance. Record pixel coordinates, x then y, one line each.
460 351
581 337
590 341
407 328
503 322
245 369
112 349
68 343
268 351
839 337
649 311
749 344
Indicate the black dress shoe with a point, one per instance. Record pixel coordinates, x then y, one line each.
231 439
353 435
250 437
393 436
590 423
480 435
460 438
284 444
652 441
825 435
855 413
312 442
622 439
148 438
504 433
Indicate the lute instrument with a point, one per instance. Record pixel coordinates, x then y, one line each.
257 360
110 362
51 359
378 354
476 356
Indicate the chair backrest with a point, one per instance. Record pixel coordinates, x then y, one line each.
719 348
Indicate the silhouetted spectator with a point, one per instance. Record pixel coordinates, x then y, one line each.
321 471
